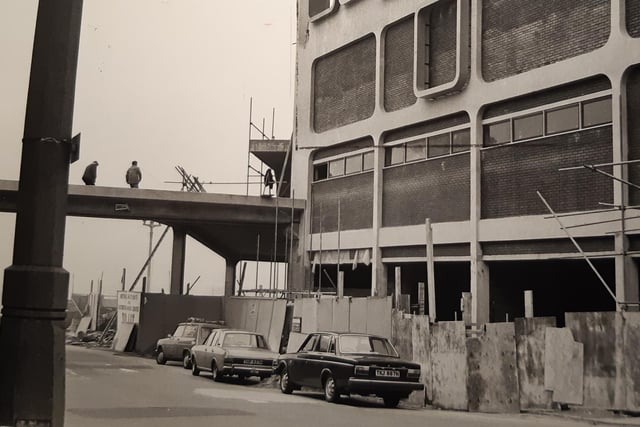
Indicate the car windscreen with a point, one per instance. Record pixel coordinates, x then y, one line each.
204 334
244 340
362 344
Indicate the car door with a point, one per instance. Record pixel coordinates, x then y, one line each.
172 349
315 360
207 351
299 365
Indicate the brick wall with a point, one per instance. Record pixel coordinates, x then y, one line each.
633 129
633 17
512 173
356 203
555 94
344 85
426 127
436 189
398 66
532 34
442 46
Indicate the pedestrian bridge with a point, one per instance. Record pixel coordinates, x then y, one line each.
225 223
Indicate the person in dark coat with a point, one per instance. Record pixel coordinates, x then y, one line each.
134 175
269 180
90 173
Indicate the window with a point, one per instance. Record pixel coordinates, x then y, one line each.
416 150
439 145
497 133
526 127
204 333
460 141
562 119
362 344
367 161
596 112
211 338
336 168
353 164
190 331
309 344
179 331
394 155
323 345
244 340
320 172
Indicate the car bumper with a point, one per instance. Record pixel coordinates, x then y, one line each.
368 386
248 370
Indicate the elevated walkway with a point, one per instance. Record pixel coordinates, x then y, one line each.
225 223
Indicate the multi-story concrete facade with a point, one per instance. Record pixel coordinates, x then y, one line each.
460 112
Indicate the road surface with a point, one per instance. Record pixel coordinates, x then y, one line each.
109 389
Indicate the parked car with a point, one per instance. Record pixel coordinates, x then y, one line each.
177 346
349 363
229 352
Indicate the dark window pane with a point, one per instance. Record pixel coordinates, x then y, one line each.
320 172
563 119
527 127
497 133
394 155
318 6
460 141
336 168
367 161
416 150
439 145
353 164
596 112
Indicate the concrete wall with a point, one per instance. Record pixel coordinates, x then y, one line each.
263 315
530 348
366 315
449 369
160 313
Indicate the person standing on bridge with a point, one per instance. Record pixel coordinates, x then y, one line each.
90 173
134 175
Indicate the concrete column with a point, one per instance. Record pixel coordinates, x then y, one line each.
378 269
32 360
626 271
178 256
230 277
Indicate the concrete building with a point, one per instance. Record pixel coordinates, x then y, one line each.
459 112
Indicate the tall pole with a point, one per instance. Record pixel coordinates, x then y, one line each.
151 224
32 374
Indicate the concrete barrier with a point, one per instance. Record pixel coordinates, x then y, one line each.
530 348
492 384
449 368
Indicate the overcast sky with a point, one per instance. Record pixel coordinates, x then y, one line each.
163 82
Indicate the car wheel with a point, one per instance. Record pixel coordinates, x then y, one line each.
195 371
391 401
285 385
330 392
186 360
216 375
160 359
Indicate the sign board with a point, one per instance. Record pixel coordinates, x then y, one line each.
128 308
296 324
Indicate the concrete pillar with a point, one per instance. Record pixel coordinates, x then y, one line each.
178 256
32 360
378 269
230 277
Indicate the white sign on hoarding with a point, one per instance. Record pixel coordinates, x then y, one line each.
128 307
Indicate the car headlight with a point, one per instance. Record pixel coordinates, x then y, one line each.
413 373
361 370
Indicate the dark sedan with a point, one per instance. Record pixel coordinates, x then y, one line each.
349 363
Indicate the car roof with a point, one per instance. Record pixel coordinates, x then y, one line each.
347 333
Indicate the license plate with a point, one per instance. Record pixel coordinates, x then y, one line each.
388 373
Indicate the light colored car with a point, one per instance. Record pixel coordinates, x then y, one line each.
229 352
177 346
